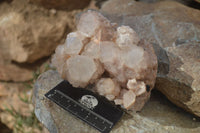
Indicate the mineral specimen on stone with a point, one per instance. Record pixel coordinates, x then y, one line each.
108 88
115 59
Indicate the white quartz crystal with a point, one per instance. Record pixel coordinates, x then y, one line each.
110 57
82 70
73 44
126 36
107 86
93 24
92 49
138 87
58 59
129 98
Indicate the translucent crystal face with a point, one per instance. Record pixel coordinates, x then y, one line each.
114 59
126 36
80 70
73 44
92 50
88 24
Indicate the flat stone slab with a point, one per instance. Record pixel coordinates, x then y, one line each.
158 115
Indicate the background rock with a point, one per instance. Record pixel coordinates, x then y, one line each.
157 116
12 72
29 33
182 84
63 4
174 30
190 3
4 128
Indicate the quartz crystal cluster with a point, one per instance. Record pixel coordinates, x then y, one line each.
120 65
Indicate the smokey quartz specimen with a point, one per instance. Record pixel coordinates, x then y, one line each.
122 66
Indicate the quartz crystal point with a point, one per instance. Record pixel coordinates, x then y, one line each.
122 66
58 59
93 24
73 44
108 88
81 70
126 36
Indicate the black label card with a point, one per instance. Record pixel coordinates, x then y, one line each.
88 106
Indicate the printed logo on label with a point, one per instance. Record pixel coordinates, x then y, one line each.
89 101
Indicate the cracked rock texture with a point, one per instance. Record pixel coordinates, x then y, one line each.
158 116
174 30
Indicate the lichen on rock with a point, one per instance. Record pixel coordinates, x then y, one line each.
113 58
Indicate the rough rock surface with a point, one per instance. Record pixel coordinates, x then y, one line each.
157 116
175 32
99 46
28 33
62 4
